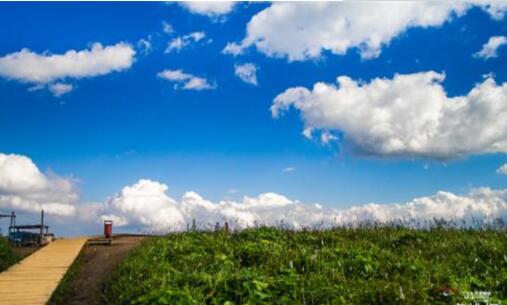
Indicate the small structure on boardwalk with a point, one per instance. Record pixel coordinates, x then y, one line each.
29 235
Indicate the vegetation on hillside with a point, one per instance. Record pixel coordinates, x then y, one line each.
7 256
380 265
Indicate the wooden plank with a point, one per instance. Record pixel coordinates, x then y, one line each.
33 280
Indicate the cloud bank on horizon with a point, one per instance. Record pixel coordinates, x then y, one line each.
146 205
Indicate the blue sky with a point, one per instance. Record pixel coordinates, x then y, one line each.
114 129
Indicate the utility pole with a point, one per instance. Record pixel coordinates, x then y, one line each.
13 219
12 216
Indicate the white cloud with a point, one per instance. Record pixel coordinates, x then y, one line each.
490 48
247 72
167 27
300 31
146 205
59 89
24 188
185 81
174 75
44 70
197 83
145 45
289 169
502 170
175 44
30 67
233 49
409 115
212 9
117 220
178 43
197 36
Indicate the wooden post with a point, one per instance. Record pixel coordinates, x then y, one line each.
41 227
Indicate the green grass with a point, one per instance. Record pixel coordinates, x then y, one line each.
7 257
340 266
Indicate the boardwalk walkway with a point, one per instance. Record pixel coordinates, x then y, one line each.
34 279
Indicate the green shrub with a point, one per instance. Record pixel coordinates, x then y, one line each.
7 257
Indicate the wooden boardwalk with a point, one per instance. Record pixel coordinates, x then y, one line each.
33 280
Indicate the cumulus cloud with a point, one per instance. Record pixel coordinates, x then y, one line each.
300 31
409 115
490 48
178 43
211 9
147 205
502 170
45 68
247 72
26 190
23 187
30 67
185 81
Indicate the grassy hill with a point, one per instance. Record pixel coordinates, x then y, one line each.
339 266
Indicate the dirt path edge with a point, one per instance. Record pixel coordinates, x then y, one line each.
86 278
